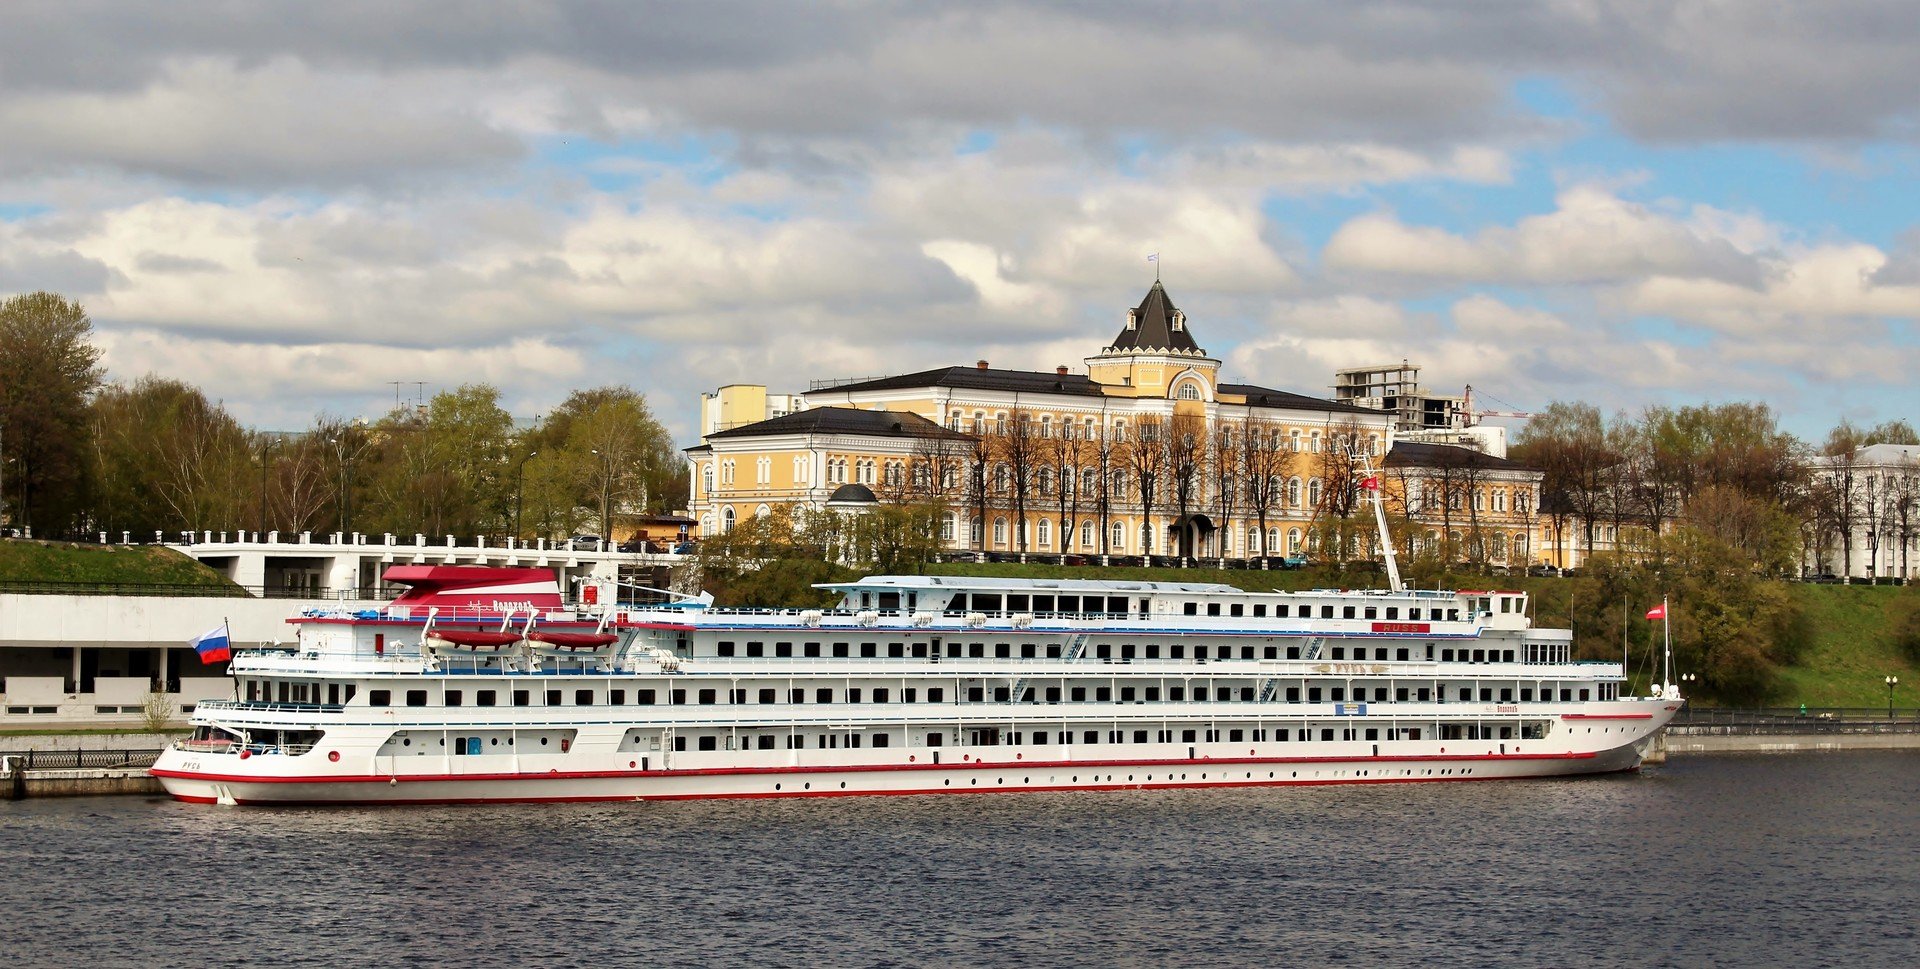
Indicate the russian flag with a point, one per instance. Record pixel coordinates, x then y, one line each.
212 645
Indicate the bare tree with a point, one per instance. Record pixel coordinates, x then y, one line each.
1225 441
1265 461
1017 446
1064 453
1145 460
1186 453
1842 482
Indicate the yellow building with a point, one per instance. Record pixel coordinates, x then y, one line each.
1149 451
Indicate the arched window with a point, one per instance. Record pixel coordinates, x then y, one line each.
1089 482
948 527
1086 534
1293 492
1118 539
973 529
1313 492
999 531
1046 483
1293 541
761 512
1045 531
726 520
706 478
1189 391
1273 539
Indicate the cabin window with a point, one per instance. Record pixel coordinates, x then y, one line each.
1393 612
1127 694
1039 736
1506 695
1213 608
709 743
1313 694
840 650
869 650
1526 694
455 698
1000 694
1199 652
1103 694
643 697
1400 694
724 648
1246 694
1293 652
1446 656
1189 736
1465 694
1153 650
1176 693
416 698
756 650
1326 734
936 694
1339 652
936 739
911 694
1236 736
379 698
1191 608
1346 612
583 698
1293 694
1028 650
811 650
1176 651
1002 650
880 694
1090 737
1103 651
1584 694
896 651
853 695
768 696
616 698
880 739
676 697
1400 654
1413 613
1373 612
1337 694
348 693
823 695
1078 694
1236 610
1326 612
783 650
1053 694
485 698
1422 696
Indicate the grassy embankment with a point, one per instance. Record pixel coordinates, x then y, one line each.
1850 653
23 561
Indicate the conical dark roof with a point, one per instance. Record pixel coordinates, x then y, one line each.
1153 326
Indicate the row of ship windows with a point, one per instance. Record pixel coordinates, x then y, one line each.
993 737
977 694
1305 611
756 649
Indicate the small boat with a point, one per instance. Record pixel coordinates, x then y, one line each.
572 642
471 640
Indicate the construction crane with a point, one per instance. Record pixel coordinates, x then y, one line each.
1470 417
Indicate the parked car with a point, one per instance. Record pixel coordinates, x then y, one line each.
1543 570
585 543
684 548
636 545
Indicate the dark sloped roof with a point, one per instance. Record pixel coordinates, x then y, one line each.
1267 397
841 420
974 378
1411 454
1153 326
852 494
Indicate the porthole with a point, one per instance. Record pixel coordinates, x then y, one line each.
776 787
843 785
975 782
948 782
543 741
1076 778
495 742
808 786
443 741
406 742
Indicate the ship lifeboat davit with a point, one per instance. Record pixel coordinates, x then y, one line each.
571 644
471 640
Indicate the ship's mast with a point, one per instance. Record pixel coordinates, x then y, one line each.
1371 484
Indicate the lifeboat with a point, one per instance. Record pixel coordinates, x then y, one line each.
471 640
571 644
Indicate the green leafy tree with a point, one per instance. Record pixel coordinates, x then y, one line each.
166 458
49 369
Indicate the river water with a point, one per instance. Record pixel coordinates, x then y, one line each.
1789 860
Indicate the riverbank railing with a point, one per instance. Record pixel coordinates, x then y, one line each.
1759 721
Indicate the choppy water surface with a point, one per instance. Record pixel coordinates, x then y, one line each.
1804 860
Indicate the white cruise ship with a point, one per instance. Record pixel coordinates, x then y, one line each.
483 685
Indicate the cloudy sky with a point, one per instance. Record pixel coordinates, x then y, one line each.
293 204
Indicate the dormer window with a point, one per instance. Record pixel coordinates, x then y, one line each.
1133 319
1179 321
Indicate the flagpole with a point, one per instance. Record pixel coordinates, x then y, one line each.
1666 624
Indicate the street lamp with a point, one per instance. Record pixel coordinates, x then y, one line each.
1892 681
520 489
1687 681
266 450
606 499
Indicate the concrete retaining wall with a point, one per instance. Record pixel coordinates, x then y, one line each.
1789 744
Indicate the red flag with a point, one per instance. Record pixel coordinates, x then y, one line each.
1371 482
1658 612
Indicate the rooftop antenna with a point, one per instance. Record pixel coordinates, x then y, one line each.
419 394
396 394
